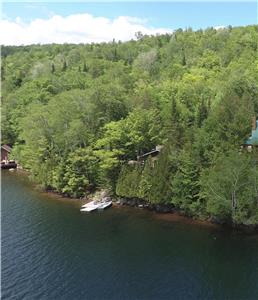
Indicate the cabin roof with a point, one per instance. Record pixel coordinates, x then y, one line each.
155 151
6 147
253 139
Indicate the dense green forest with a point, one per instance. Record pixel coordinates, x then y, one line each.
76 114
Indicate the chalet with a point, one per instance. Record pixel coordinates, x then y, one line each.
5 151
252 141
142 158
153 154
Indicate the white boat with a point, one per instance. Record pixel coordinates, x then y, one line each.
105 204
89 203
91 206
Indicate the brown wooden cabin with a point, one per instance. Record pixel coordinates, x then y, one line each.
142 158
153 154
5 151
6 163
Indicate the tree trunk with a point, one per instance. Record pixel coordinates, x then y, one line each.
233 200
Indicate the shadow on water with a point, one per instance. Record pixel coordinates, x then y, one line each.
52 251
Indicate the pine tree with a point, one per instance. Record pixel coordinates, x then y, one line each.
64 66
163 169
183 58
202 113
53 69
174 129
185 183
85 68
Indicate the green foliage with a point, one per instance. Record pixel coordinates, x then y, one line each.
230 188
185 184
155 181
128 182
80 174
132 136
76 114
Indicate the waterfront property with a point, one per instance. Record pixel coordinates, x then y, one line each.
5 151
120 254
153 154
142 158
5 162
252 141
11 164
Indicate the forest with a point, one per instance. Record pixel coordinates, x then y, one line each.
75 116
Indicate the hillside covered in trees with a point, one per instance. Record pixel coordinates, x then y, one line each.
76 114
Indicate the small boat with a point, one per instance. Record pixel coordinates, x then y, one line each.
11 169
105 204
88 209
91 206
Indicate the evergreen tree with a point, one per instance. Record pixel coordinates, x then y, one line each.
64 66
194 92
53 69
85 68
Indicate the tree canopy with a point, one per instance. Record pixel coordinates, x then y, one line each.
76 114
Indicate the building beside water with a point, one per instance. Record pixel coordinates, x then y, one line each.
5 151
252 141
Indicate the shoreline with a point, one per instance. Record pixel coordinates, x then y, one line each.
169 213
159 211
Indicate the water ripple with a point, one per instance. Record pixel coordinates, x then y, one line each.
51 251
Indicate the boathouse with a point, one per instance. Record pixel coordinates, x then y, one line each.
5 151
252 141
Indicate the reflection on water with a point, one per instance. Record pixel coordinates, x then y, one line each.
52 251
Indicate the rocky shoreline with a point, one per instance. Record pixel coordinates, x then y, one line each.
161 209
169 209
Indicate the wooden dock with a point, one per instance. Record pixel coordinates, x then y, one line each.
11 164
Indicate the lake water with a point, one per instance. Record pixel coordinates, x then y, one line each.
52 251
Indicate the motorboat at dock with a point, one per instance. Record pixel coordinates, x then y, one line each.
105 204
93 205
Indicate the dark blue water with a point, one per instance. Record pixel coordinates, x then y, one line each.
52 251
